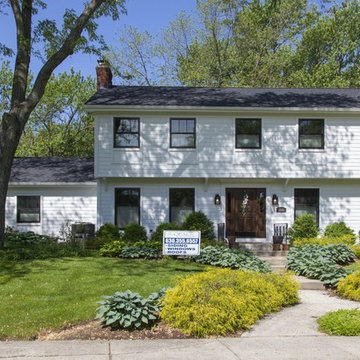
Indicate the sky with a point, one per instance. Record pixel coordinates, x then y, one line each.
150 15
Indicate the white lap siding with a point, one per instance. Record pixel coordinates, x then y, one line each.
58 204
339 199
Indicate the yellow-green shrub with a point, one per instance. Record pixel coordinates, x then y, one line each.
349 286
220 301
324 240
356 250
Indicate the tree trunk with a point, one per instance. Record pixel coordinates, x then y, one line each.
10 133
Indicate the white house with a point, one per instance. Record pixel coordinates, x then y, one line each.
247 158
46 194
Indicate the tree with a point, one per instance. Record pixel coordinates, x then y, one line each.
59 125
78 33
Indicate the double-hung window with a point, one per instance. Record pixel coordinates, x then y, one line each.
182 202
182 133
311 133
28 209
307 202
126 132
127 206
248 133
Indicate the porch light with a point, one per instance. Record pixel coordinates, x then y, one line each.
217 199
275 200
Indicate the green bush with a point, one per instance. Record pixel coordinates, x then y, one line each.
356 250
320 262
112 249
128 310
144 252
349 286
222 301
29 246
304 227
157 235
235 259
206 242
324 240
107 233
197 220
339 229
150 244
134 232
340 322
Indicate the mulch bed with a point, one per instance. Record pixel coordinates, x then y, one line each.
92 330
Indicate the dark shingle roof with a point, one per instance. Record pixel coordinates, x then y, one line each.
226 97
51 170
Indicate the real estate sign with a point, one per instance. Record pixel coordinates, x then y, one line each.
181 242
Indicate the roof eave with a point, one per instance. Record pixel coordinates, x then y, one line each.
74 184
163 108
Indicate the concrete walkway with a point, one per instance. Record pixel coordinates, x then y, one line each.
290 334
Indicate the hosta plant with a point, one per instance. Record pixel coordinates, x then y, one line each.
128 310
134 252
235 259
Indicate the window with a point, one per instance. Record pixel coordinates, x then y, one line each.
182 133
182 202
126 132
248 133
127 206
311 133
307 202
28 209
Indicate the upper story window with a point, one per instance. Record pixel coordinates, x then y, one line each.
248 133
28 209
126 132
311 133
182 133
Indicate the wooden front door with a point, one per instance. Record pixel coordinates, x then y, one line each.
246 213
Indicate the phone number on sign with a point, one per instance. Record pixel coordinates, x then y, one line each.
180 241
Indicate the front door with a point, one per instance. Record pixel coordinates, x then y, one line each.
246 213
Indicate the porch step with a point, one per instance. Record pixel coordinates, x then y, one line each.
309 284
270 253
274 260
254 247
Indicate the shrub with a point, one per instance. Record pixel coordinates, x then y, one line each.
340 322
206 242
134 232
235 259
134 252
356 250
349 287
320 262
339 229
304 227
157 235
221 301
197 220
324 240
112 249
128 310
29 246
150 244
107 233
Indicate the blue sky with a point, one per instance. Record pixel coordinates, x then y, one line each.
151 15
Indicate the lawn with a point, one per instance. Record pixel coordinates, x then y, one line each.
354 266
48 294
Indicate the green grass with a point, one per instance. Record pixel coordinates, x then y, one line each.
354 266
48 294
341 322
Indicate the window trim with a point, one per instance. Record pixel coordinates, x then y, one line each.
18 214
322 139
180 188
115 207
115 133
260 135
184 133
318 205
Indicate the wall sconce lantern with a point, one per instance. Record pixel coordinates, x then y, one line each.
275 200
217 199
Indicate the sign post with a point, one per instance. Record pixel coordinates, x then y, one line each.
181 242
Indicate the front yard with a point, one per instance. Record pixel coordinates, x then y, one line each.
48 294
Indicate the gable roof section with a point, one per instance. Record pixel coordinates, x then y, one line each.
225 97
52 170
